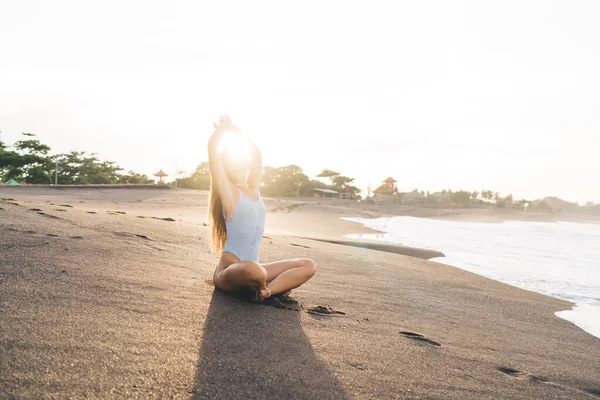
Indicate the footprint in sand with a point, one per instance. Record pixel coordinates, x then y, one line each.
299 245
357 366
418 337
515 373
92 212
594 392
510 371
48 215
77 237
35 209
52 234
66 205
324 310
132 235
164 219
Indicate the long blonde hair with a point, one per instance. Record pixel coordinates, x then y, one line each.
216 219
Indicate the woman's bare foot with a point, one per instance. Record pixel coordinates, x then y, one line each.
262 294
265 293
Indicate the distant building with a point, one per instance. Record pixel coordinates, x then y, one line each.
482 199
11 181
387 189
387 192
318 193
160 175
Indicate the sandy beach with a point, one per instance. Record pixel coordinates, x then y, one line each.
107 293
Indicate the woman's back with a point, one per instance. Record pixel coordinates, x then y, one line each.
246 227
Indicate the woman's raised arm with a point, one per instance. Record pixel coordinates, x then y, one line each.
217 169
256 170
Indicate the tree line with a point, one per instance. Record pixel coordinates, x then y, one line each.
288 180
29 161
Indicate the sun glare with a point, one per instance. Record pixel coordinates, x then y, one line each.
235 144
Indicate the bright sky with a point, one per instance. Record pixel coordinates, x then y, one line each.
474 95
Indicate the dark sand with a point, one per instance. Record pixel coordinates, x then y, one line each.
425 254
110 305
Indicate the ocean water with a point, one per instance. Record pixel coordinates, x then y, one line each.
560 259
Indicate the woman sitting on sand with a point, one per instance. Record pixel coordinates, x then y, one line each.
237 218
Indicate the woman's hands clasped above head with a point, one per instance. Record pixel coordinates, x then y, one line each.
225 124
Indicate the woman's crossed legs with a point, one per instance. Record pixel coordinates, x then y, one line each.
266 279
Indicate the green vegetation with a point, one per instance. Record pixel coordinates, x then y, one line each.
340 183
199 179
284 181
288 180
29 161
460 197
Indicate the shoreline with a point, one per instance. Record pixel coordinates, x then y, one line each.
580 313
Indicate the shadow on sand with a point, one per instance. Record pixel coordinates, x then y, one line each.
254 351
